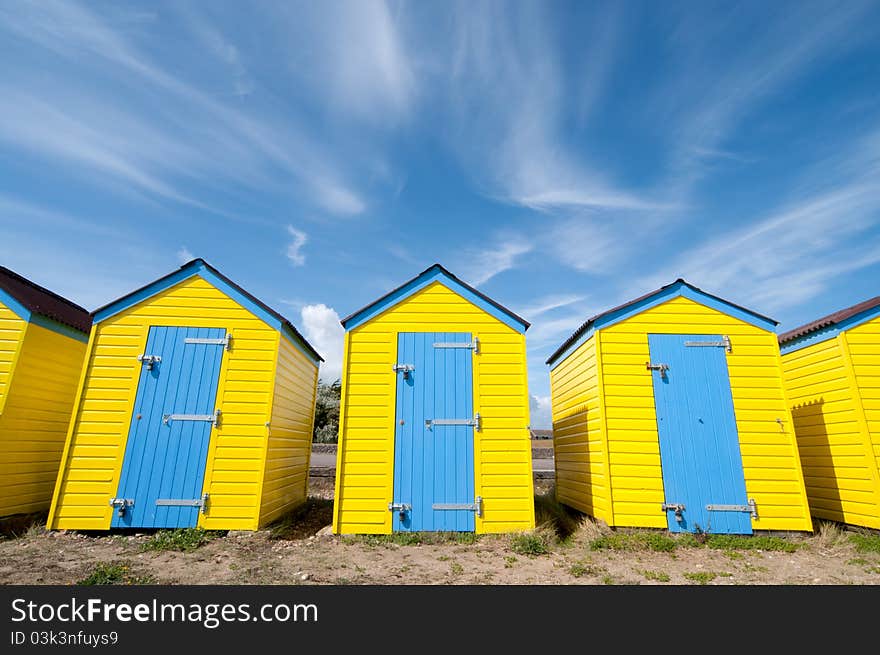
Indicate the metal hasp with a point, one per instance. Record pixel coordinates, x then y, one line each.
404 368
213 419
724 343
678 508
401 509
226 341
149 360
475 507
657 367
120 504
476 421
201 503
473 345
751 508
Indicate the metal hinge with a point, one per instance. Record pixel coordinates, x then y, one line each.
120 504
201 503
213 419
724 343
399 507
657 367
475 507
149 360
678 508
225 341
405 368
473 345
751 508
476 421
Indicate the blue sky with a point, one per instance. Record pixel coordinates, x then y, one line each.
562 157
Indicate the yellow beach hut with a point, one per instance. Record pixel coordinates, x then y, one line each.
42 344
669 412
195 408
831 368
434 418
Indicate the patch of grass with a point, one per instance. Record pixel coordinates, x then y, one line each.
584 567
688 540
657 576
609 580
184 540
412 538
701 577
740 542
107 573
509 561
528 543
634 541
456 568
733 554
443 558
865 543
858 561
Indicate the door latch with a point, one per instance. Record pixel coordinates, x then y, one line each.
149 360
657 367
404 368
678 508
120 504
401 509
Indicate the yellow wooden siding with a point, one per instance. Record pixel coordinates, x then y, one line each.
99 431
286 477
578 437
826 410
502 461
864 348
34 422
12 328
769 452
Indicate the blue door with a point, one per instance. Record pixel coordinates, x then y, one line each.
167 449
434 433
703 478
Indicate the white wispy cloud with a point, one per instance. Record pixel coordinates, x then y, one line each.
267 145
353 57
508 92
322 329
217 44
789 256
549 303
705 98
294 248
482 265
590 244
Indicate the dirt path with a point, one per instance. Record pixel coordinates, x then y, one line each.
293 553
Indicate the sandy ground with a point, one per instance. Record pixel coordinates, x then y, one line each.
294 553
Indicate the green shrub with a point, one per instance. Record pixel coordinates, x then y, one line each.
528 543
865 543
741 542
634 541
107 573
701 577
182 539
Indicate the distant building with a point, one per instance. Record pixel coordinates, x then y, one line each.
541 434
